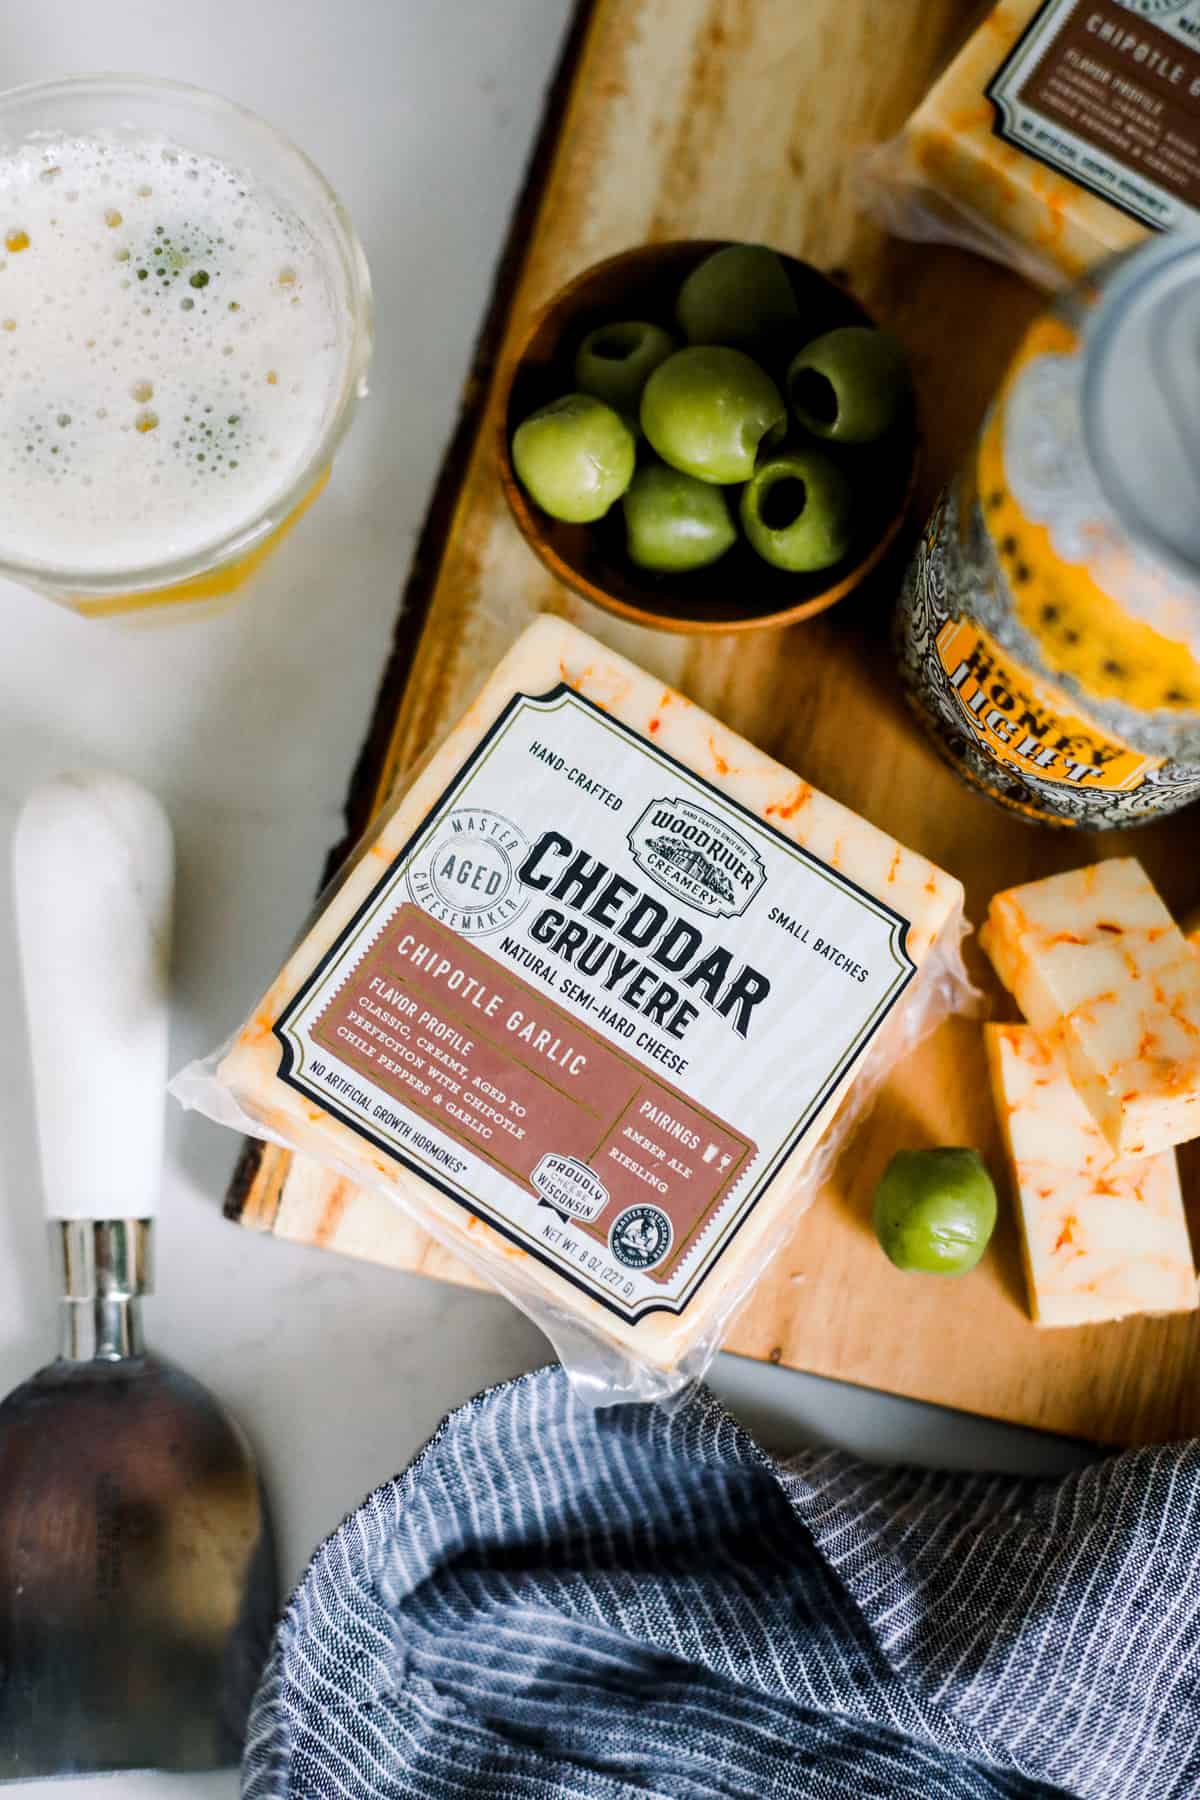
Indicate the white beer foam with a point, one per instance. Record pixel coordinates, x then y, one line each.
169 352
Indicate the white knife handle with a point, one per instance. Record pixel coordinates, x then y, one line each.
94 866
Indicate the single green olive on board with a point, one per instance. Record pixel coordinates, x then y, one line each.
673 522
849 386
797 511
707 410
737 295
574 457
614 362
935 1210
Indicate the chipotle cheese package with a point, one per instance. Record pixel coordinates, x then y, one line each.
1063 132
594 1003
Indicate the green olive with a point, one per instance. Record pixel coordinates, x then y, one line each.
674 522
797 511
614 362
935 1210
574 457
707 410
737 295
850 385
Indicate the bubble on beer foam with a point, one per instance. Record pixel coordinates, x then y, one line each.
182 322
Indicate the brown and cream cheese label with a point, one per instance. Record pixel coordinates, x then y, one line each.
1108 93
596 1002
1023 725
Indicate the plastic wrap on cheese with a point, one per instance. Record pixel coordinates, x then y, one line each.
595 1002
1100 969
1059 135
1102 1236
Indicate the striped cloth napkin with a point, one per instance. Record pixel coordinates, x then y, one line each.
559 1604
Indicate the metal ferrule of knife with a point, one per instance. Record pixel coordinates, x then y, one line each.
103 1267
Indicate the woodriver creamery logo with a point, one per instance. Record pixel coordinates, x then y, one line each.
466 876
697 857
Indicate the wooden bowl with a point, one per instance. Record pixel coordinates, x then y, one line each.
740 592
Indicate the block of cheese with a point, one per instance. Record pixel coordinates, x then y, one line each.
991 190
1101 1236
590 997
1100 969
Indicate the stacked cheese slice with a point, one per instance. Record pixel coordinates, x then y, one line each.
1097 1090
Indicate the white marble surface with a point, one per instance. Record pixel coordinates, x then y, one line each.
421 112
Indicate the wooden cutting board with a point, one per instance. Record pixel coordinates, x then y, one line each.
744 118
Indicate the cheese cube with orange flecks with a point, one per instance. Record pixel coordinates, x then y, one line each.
1101 1237
1101 970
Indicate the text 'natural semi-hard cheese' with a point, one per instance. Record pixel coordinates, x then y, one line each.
600 982
1102 1236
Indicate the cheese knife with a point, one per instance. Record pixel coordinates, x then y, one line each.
137 1574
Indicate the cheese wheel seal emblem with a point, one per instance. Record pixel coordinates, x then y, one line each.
640 1237
570 1187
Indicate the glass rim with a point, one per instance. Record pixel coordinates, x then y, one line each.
233 545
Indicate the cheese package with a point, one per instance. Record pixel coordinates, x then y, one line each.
1061 133
1102 1236
1101 970
589 1000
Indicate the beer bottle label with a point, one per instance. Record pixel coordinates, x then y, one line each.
1052 658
